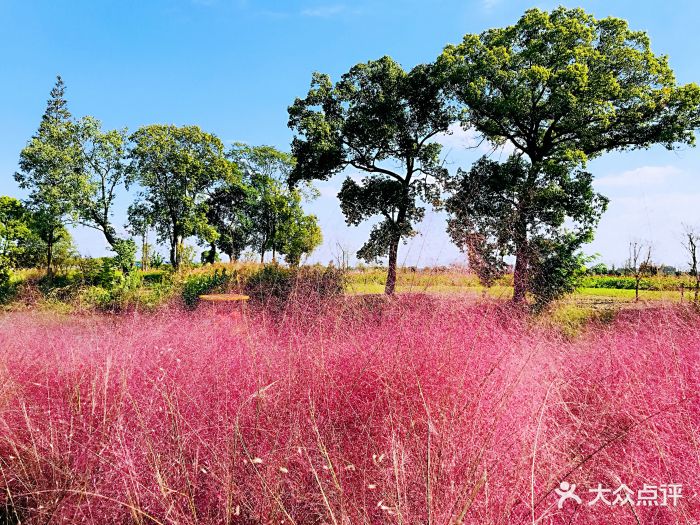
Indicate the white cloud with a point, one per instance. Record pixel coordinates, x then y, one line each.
324 11
644 176
487 5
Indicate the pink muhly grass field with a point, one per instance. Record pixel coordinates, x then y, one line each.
422 410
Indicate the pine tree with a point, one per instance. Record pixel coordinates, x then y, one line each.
50 170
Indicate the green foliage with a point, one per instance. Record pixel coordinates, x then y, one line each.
270 282
156 260
16 234
110 274
557 268
555 214
50 169
104 168
561 88
301 236
175 167
203 283
564 85
125 250
228 211
378 119
5 285
599 269
210 256
265 213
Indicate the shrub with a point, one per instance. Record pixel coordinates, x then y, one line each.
198 284
5 286
277 284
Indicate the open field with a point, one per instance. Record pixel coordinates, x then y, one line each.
665 289
423 409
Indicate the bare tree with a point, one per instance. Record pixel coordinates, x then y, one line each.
342 256
639 263
692 240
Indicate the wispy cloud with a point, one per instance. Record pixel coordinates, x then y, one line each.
488 5
640 177
325 11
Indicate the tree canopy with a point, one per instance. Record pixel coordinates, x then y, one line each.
560 87
378 119
50 169
103 163
276 221
174 167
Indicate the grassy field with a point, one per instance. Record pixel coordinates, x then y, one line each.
349 412
664 289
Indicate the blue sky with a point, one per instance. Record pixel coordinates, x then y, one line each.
233 66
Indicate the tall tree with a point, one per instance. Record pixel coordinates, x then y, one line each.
273 208
563 87
174 167
484 220
378 119
139 224
104 166
50 169
228 211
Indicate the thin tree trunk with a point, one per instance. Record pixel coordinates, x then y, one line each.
144 254
49 259
520 280
522 263
390 287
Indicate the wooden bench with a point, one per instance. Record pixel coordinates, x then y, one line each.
224 298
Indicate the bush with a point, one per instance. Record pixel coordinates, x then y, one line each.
154 276
279 284
129 293
5 285
202 283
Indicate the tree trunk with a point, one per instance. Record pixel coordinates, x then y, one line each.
391 274
390 287
173 254
144 253
175 249
520 274
522 264
49 259
110 235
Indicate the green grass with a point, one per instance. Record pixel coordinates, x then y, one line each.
455 282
